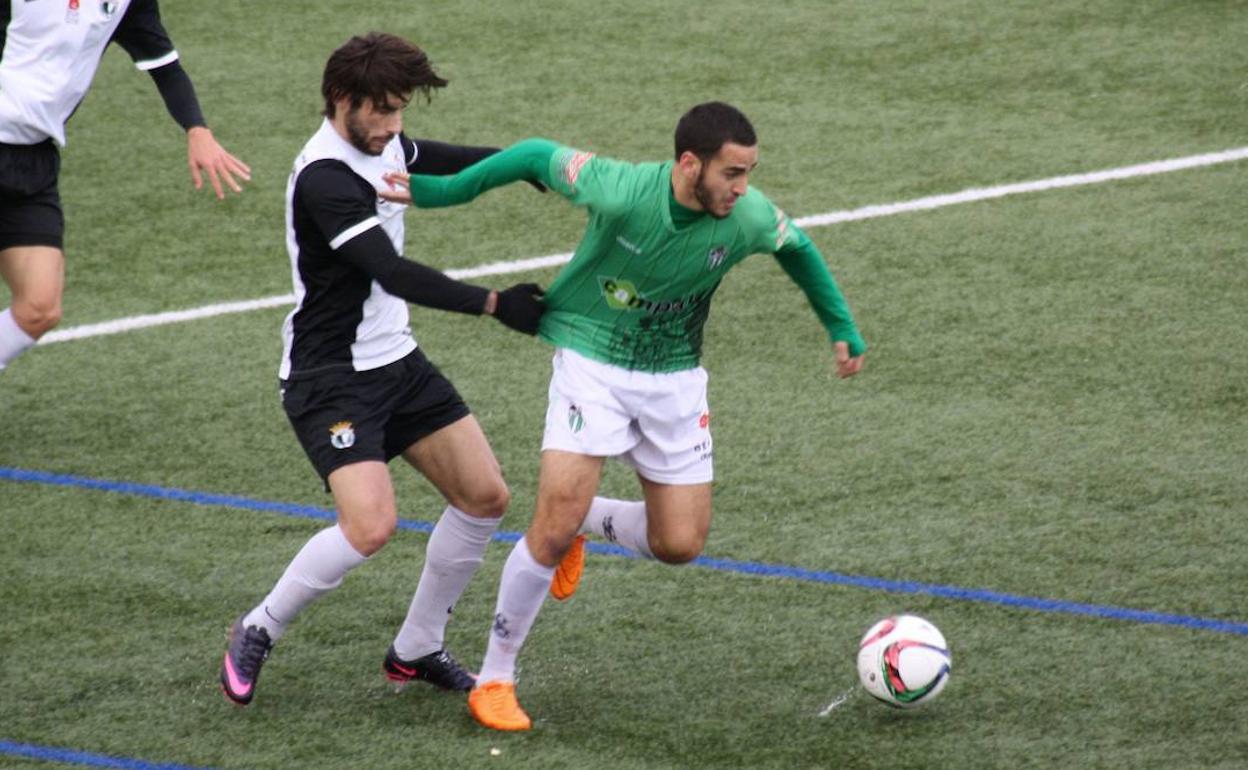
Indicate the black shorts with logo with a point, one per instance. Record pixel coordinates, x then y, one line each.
345 417
30 205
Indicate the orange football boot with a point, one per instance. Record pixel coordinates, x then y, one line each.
568 572
494 705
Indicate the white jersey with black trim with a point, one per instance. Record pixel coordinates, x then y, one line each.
51 50
342 319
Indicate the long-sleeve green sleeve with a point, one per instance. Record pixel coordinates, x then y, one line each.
800 258
527 160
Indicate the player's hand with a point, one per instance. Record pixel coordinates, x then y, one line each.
520 307
399 191
846 366
204 155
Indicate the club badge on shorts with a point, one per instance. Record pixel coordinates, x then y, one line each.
342 435
576 418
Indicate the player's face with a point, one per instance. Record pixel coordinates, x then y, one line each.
724 178
370 127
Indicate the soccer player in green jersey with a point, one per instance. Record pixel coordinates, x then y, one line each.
626 317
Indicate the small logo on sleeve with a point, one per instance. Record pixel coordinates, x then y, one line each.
783 233
572 165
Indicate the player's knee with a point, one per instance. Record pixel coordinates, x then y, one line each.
497 503
678 554
490 502
37 316
547 547
370 536
564 506
677 549
374 538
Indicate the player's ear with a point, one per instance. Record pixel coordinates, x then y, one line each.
342 106
690 164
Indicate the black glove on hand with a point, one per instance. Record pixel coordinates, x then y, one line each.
520 307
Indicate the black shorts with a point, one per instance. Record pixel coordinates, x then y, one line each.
30 205
346 417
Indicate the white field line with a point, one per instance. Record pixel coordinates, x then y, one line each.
208 311
818 220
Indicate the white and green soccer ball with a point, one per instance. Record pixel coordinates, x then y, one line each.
903 660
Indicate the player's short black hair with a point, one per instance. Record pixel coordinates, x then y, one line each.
709 126
375 66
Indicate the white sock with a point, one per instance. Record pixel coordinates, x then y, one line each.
622 522
317 569
13 340
520 594
456 548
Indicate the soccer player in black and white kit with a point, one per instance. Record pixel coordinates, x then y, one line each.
355 386
51 49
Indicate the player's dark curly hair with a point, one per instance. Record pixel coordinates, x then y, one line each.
709 126
374 67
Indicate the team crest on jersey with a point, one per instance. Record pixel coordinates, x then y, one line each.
342 435
715 257
108 8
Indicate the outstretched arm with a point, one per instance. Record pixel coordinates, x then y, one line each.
518 307
441 158
203 154
143 35
800 258
342 206
527 161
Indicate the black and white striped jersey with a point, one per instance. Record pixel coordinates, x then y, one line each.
342 316
352 284
51 50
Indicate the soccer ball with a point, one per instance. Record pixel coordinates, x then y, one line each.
904 661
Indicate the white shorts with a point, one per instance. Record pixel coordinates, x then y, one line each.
657 423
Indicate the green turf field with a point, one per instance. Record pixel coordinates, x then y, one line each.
1054 405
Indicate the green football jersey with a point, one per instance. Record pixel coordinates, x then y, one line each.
637 292
638 289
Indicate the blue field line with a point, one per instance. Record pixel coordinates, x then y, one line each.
72 757
1037 604
976 595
